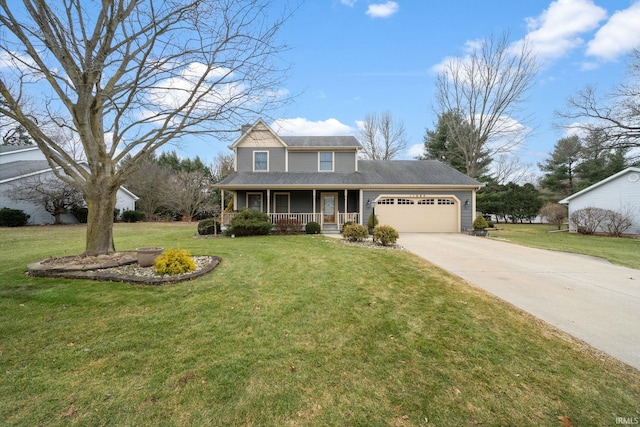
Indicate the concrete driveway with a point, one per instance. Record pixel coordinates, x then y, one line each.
586 297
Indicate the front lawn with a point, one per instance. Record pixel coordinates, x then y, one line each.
619 250
287 331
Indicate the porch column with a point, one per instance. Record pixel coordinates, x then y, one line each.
221 205
268 202
346 192
314 204
361 206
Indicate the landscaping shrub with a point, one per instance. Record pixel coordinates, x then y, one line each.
81 214
312 228
250 222
386 235
345 224
208 226
132 216
355 233
617 222
479 223
588 220
554 213
13 218
174 261
372 221
288 226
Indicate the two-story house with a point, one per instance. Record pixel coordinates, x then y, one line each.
321 179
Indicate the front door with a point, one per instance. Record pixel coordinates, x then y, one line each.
329 207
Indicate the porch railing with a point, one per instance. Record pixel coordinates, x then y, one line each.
303 218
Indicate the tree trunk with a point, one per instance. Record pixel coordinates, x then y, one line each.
100 202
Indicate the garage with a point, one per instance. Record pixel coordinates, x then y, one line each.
419 214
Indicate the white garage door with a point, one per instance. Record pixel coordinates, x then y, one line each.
437 214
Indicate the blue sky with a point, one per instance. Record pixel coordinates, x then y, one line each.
354 57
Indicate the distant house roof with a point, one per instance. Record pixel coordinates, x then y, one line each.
374 173
11 148
566 200
13 170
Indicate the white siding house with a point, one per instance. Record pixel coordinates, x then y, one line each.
619 192
19 163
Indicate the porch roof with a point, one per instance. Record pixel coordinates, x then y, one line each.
371 173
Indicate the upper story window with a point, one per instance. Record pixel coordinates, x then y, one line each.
260 161
325 161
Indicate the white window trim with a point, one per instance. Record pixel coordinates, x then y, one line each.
275 206
254 161
253 194
333 161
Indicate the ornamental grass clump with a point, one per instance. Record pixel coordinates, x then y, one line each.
174 261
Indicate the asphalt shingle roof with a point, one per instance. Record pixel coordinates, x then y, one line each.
370 172
16 169
321 141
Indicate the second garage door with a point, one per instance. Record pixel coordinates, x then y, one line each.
437 214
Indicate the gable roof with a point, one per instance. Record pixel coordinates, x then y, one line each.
371 173
566 200
300 142
346 141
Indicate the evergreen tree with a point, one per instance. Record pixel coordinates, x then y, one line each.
560 168
440 144
598 160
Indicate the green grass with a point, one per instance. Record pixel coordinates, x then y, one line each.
621 251
287 331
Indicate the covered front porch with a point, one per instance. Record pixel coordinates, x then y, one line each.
328 207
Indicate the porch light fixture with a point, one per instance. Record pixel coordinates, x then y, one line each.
368 203
466 204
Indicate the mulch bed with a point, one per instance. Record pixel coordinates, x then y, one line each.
116 267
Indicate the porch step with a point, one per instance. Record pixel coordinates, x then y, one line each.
330 229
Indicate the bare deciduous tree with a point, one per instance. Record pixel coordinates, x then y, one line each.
54 195
188 193
126 77
382 137
615 115
222 166
487 88
148 183
554 213
510 168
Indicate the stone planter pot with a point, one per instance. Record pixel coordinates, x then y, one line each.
147 256
480 232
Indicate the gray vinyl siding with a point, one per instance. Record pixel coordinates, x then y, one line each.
276 159
345 162
308 161
303 161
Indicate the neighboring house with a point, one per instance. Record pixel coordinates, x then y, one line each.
620 192
321 179
21 162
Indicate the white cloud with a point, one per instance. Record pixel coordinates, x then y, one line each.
382 10
557 30
349 3
303 127
416 150
618 36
